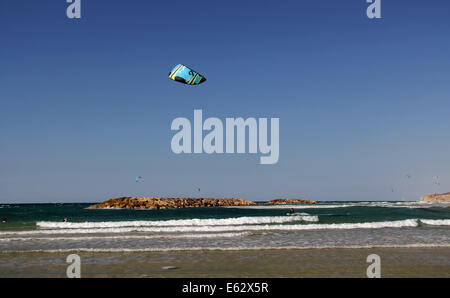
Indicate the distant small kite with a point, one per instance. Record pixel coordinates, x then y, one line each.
138 179
183 74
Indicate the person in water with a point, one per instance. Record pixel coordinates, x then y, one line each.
292 211
65 220
4 220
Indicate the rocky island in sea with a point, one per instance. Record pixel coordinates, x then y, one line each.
444 197
290 201
165 203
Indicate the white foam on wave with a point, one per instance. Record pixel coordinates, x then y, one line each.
387 204
210 229
125 237
436 222
252 248
179 222
295 206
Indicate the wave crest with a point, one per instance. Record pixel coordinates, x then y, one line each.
436 222
179 222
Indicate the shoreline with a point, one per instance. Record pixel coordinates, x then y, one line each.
327 262
223 249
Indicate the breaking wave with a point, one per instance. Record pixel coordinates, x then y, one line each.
126 237
179 222
233 226
330 205
436 222
225 228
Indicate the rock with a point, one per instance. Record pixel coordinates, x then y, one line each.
445 197
290 201
165 203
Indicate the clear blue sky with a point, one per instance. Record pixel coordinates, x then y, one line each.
86 105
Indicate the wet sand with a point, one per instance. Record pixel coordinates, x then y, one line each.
341 262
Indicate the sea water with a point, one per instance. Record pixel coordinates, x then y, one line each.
40 227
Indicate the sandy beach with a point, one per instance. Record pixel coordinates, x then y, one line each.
395 263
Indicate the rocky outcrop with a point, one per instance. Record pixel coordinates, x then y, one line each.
445 197
166 203
290 201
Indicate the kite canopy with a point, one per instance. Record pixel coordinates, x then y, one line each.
183 74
